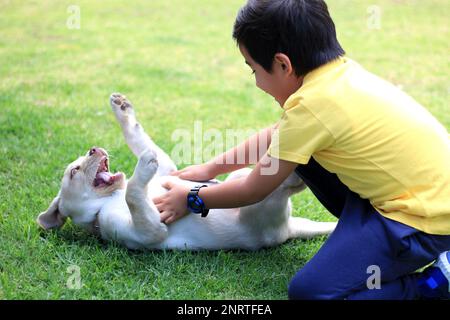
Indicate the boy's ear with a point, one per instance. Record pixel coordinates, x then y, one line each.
284 62
51 218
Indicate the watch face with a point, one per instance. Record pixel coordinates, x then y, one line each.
195 204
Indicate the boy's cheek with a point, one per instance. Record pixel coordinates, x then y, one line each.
262 87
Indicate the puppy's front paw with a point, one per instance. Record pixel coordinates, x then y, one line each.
146 166
122 108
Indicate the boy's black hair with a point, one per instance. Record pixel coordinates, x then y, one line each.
301 29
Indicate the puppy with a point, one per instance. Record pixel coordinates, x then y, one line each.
106 204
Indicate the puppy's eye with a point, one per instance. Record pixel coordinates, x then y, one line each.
74 171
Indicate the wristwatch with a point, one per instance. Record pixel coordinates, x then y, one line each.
195 203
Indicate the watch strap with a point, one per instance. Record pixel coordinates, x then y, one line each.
194 193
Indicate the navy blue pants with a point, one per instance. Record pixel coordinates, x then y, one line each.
365 246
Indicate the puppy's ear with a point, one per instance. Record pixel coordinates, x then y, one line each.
51 218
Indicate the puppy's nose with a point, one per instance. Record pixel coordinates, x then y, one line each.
93 150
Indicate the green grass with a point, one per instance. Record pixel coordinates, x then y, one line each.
178 64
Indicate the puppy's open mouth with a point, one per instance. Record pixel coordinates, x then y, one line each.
104 178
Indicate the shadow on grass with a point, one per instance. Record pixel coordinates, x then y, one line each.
297 251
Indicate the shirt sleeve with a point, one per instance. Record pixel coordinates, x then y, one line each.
299 135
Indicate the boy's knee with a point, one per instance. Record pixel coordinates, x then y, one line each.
295 291
304 288
301 289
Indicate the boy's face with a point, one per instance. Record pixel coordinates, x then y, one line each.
281 83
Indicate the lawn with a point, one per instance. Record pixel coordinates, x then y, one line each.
177 62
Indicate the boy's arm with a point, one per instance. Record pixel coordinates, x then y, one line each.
247 153
261 182
268 174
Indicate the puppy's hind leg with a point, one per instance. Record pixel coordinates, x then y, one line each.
135 135
145 215
305 229
301 227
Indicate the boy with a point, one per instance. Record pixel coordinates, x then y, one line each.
374 157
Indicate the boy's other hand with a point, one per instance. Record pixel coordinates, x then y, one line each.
199 172
173 204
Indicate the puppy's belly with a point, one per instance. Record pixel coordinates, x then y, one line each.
220 229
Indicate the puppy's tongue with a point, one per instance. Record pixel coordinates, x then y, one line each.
103 178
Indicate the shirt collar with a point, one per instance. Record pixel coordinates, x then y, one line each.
314 74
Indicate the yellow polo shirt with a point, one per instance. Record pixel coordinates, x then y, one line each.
380 143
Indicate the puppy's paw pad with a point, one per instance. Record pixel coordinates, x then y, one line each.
125 105
121 105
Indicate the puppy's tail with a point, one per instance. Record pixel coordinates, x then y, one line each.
306 229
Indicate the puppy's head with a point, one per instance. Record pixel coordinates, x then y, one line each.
85 184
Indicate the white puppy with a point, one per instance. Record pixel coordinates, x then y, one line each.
106 204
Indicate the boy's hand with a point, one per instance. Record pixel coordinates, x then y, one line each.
200 172
172 205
